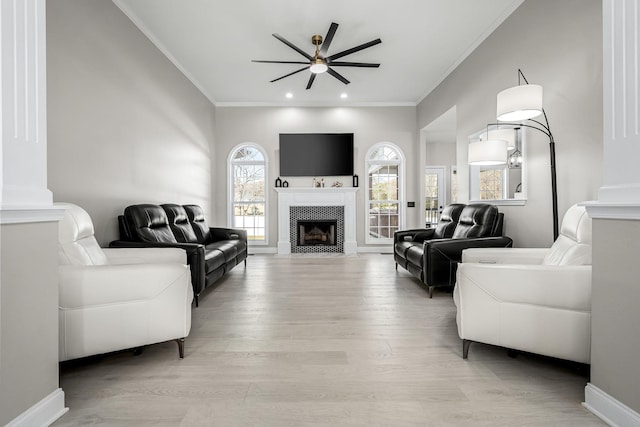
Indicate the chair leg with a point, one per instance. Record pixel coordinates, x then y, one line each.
196 299
396 266
245 263
465 348
180 342
430 289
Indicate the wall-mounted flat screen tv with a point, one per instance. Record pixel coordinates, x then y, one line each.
316 154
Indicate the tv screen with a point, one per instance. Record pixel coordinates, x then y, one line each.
316 154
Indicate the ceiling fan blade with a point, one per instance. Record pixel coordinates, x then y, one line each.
354 49
312 77
328 38
278 62
292 46
353 64
338 76
290 74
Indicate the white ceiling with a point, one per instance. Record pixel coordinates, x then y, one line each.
213 42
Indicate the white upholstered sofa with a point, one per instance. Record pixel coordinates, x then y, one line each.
115 299
533 300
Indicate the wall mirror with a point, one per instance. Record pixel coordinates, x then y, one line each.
503 184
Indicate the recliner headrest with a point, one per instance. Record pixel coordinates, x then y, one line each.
75 225
576 225
76 243
476 220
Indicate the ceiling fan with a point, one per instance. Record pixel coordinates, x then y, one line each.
320 62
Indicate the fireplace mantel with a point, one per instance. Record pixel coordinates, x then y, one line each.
310 196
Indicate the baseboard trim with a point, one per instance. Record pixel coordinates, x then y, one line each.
43 413
608 409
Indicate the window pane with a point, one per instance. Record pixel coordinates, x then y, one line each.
250 217
248 171
249 183
383 183
248 154
491 187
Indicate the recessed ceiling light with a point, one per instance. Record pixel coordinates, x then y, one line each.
343 95
289 95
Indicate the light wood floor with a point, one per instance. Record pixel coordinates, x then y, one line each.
333 341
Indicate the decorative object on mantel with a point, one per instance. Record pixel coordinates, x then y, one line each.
355 180
278 182
285 184
336 184
523 103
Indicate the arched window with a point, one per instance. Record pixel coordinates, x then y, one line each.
248 192
385 191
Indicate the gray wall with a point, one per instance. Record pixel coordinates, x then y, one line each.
124 125
29 316
557 45
263 126
615 345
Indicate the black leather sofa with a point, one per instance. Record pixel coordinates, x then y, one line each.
211 251
432 254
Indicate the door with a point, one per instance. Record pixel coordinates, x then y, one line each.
434 197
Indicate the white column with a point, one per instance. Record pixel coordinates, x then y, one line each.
612 392
620 194
24 196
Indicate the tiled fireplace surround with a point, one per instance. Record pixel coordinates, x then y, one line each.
315 199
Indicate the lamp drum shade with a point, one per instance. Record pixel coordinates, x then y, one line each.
508 135
488 153
519 103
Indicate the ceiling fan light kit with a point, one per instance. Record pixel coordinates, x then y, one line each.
320 63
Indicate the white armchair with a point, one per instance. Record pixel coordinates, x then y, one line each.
114 299
533 300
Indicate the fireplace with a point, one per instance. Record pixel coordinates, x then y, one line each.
314 233
316 229
317 204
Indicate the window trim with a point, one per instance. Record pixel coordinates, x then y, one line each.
401 189
231 191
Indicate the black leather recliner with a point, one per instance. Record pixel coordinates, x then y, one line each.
432 255
211 252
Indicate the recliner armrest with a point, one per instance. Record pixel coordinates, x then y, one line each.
414 235
505 255
121 255
565 287
441 256
195 257
221 233
452 248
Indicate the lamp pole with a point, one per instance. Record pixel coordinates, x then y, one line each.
544 128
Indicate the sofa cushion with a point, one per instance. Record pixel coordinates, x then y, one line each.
228 247
195 214
179 223
149 223
476 220
401 247
213 259
414 255
448 221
